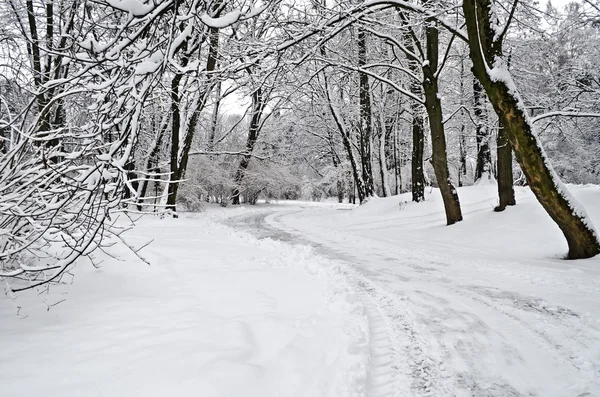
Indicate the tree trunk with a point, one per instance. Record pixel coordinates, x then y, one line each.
258 106
418 139
336 164
180 145
340 180
4 138
366 122
397 166
152 160
482 133
488 66
438 137
351 190
418 134
385 188
358 185
506 192
462 142
215 117
173 186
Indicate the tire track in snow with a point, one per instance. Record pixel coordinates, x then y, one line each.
550 320
400 364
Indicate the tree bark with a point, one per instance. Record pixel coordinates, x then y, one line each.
258 106
482 133
488 66
366 121
214 122
438 137
462 143
418 141
397 166
384 133
174 177
180 145
506 192
418 134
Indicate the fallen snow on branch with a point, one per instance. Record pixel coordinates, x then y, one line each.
223 21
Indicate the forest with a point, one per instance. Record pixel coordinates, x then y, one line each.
162 106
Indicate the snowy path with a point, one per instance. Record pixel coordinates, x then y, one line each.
218 313
485 308
320 301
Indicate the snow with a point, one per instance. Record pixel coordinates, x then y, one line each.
500 73
218 313
486 179
488 304
184 35
133 7
321 299
221 22
146 67
255 11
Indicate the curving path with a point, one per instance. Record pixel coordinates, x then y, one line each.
450 318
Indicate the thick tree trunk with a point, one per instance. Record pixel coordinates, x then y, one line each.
418 141
506 192
482 133
438 137
486 53
174 177
366 121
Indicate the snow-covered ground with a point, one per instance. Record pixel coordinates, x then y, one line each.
307 299
486 307
218 313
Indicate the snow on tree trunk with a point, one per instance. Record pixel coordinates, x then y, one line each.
485 42
482 134
366 121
